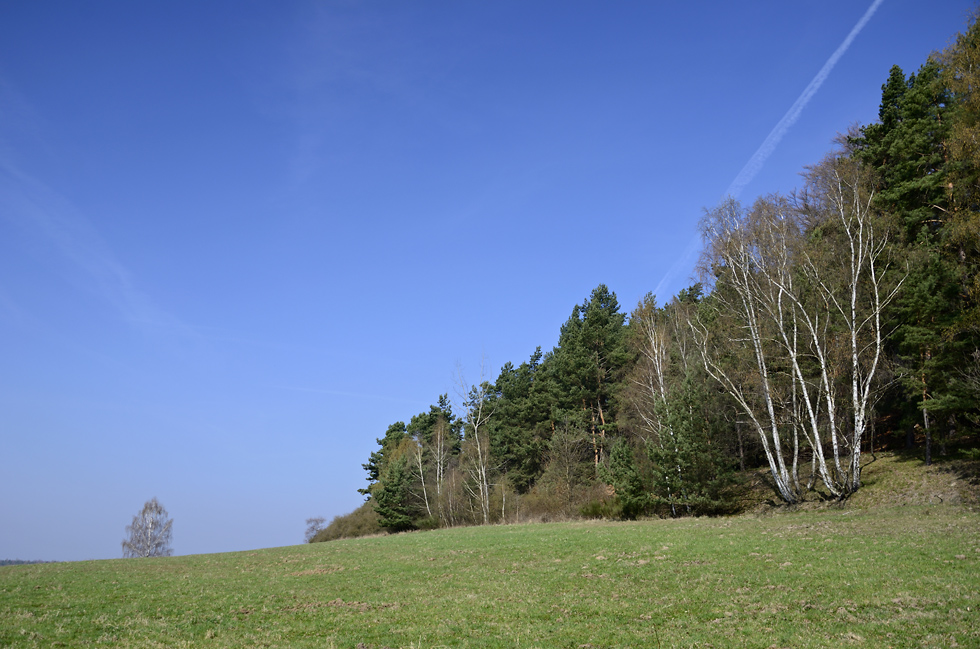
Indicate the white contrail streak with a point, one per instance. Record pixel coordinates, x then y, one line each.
762 154
755 163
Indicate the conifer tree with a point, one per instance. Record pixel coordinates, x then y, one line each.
694 473
906 151
392 497
589 362
623 476
521 427
375 466
918 180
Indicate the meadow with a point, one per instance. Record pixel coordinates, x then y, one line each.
878 575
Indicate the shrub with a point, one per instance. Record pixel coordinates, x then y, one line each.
606 508
363 521
428 523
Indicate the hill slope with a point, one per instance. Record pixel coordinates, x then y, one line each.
869 575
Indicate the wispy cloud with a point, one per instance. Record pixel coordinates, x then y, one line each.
340 61
768 146
42 214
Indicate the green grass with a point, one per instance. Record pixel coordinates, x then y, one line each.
882 576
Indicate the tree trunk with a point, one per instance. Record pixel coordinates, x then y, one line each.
925 422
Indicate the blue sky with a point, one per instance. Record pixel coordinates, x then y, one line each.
240 239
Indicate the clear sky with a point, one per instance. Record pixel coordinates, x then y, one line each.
239 239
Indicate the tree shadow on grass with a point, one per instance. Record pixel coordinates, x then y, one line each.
960 461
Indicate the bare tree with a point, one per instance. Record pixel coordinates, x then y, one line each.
417 453
805 284
450 502
477 410
651 398
149 533
566 470
738 356
441 448
313 527
854 291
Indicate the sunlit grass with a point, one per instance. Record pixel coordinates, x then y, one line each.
880 577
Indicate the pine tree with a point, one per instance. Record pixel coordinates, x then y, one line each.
919 182
929 358
961 73
589 363
392 497
375 466
521 426
907 153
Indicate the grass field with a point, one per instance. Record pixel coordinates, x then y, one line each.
877 576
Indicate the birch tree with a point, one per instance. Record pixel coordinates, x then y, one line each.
736 346
441 449
313 527
803 286
150 533
650 397
477 410
855 286
417 453
568 467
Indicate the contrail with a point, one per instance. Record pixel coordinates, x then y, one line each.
755 163
762 154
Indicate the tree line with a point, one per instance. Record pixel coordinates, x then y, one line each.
826 323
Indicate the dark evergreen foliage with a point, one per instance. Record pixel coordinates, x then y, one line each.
906 151
632 409
910 154
589 362
422 425
694 471
392 499
622 474
393 438
521 427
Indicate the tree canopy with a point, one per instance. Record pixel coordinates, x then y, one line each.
825 324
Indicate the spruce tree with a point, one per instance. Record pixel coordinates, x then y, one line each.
693 472
623 476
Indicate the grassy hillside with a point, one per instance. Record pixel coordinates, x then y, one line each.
877 574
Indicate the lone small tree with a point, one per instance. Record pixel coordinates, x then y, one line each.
149 533
313 527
